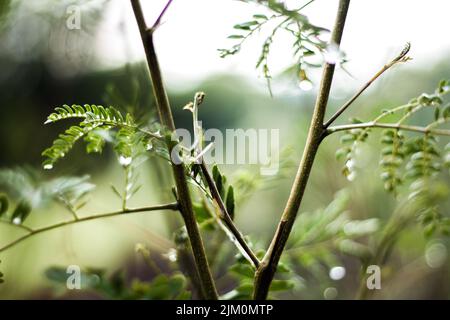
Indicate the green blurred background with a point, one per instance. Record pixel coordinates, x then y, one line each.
43 65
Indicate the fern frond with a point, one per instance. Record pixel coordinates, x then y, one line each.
126 139
110 116
65 112
65 143
94 117
96 139
91 114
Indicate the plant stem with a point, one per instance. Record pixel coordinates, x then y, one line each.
20 226
165 115
225 216
373 124
33 232
400 58
125 189
161 15
265 273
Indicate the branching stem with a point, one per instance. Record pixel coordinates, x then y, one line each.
165 115
266 272
373 124
400 58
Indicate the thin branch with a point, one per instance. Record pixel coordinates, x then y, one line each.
372 124
266 272
161 15
438 123
165 116
225 216
400 58
69 207
19 226
410 113
33 232
226 222
305 5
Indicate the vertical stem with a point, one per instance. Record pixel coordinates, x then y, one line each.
125 190
265 273
165 115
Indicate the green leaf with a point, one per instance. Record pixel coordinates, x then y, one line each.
341 153
245 288
446 112
437 113
283 268
96 139
91 113
236 36
282 285
260 16
230 203
429 230
246 25
21 212
201 212
355 249
166 288
218 180
90 278
243 269
56 274
347 138
64 144
94 117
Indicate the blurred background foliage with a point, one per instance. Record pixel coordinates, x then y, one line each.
50 66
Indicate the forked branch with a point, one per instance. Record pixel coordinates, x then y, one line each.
373 124
266 271
402 57
165 115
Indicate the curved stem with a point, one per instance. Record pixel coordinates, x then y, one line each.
372 124
33 232
266 272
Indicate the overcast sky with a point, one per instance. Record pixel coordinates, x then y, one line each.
193 30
